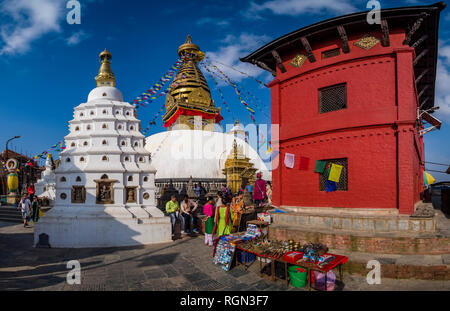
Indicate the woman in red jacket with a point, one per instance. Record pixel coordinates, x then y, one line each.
31 191
259 191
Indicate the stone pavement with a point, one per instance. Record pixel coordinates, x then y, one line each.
182 265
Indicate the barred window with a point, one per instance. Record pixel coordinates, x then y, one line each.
331 53
333 98
342 185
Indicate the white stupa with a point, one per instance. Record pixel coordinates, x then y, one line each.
105 183
45 187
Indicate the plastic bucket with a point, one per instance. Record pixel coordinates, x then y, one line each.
298 276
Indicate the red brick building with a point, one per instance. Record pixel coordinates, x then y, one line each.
349 93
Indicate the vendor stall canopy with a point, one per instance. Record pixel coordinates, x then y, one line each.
420 24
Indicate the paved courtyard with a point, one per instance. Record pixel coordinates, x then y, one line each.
182 265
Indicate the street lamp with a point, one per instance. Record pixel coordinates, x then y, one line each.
7 142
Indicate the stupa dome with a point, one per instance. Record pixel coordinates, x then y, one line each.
105 92
200 154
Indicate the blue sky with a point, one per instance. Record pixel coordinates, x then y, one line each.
48 66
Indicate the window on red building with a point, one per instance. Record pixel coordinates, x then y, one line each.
331 53
332 98
342 185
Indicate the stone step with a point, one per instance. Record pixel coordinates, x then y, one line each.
424 267
11 219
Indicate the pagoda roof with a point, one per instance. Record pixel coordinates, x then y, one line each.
402 17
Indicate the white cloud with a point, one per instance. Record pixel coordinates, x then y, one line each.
27 20
298 7
213 21
232 48
77 37
443 91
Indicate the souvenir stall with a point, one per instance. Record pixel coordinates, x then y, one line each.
309 265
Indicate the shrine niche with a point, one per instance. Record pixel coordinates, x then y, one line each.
105 190
131 194
78 194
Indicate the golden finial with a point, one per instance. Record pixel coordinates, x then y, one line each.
192 49
105 75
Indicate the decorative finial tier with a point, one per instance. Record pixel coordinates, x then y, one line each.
189 94
105 75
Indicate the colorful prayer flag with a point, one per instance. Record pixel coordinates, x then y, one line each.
320 166
331 186
289 160
304 163
335 173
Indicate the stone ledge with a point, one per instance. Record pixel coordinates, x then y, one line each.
423 267
344 222
365 242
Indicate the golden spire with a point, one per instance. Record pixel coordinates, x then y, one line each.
105 75
189 87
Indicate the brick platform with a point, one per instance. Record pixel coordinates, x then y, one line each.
356 220
358 242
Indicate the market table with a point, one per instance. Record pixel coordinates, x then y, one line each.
310 267
260 261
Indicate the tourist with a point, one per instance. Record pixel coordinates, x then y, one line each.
249 188
223 221
35 207
31 191
188 209
237 206
269 193
226 194
173 210
208 210
242 188
219 201
25 208
199 190
259 194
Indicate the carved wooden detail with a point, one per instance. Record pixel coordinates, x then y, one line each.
279 61
419 41
131 194
105 191
385 30
344 38
308 49
78 194
414 28
420 56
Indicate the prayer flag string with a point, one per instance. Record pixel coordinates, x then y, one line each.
220 92
241 72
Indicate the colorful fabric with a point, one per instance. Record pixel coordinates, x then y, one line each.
335 173
331 186
259 192
238 208
428 179
208 210
320 166
223 221
192 112
289 160
304 163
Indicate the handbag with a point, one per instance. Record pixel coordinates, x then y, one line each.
40 213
